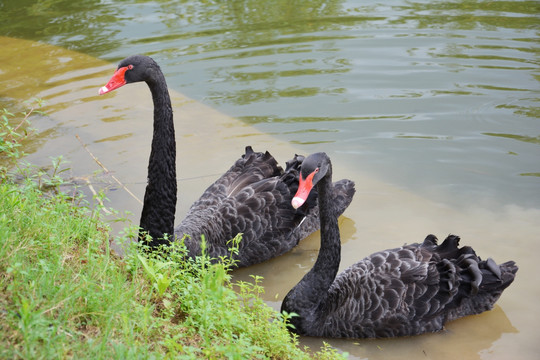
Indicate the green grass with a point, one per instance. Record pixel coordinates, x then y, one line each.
65 294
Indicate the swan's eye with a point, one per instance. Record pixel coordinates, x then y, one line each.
130 67
316 170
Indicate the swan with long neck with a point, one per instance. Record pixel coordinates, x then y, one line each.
253 197
409 290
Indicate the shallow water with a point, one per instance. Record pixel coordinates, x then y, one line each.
430 108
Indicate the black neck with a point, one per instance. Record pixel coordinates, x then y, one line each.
324 271
160 197
311 292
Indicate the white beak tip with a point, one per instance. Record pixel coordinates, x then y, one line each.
297 202
103 90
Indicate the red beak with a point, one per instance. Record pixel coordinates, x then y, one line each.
117 80
304 188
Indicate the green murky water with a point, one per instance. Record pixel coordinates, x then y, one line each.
449 86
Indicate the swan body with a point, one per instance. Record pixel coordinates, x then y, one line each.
408 290
252 198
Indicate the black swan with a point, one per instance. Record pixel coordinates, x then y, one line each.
253 197
404 291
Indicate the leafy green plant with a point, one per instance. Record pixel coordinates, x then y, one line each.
11 136
52 180
153 268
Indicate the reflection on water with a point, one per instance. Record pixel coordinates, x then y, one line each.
487 328
82 25
419 102
396 86
530 139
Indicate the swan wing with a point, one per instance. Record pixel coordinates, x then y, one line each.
248 169
254 198
414 289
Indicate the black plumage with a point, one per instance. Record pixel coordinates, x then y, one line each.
253 197
409 290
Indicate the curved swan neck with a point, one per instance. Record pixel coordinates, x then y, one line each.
160 197
327 264
311 292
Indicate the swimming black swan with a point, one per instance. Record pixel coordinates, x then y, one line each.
404 291
253 197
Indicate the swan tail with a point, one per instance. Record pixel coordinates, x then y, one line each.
343 194
471 285
496 278
250 168
487 283
264 163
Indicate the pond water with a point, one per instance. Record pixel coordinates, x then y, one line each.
431 107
